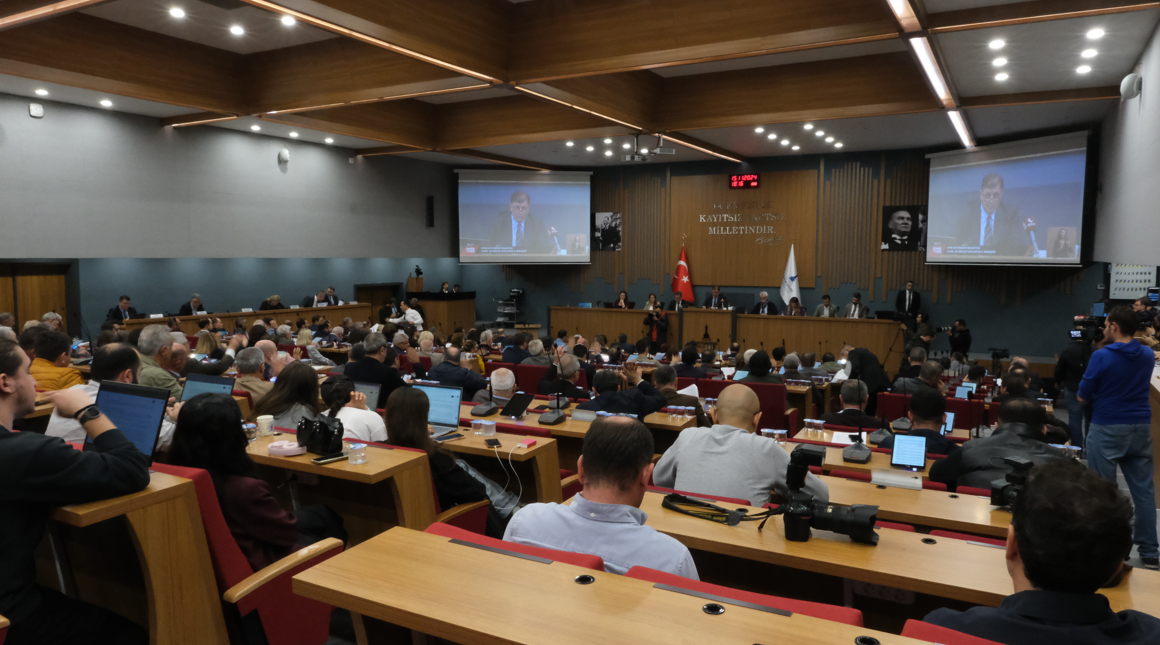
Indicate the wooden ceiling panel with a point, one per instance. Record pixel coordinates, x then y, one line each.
865 86
14 13
515 119
561 38
629 97
407 122
1031 11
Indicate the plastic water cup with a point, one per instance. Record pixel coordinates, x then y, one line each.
690 413
477 426
669 411
768 432
358 454
488 428
781 437
265 425
251 430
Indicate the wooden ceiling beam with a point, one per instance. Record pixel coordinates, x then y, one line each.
198 118
516 119
386 150
628 99
566 38
1031 11
1032 98
694 143
406 122
833 89
14 13
510 161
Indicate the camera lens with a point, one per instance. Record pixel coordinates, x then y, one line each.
856 521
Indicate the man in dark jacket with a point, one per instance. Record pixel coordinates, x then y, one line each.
929 378
688 365
518 350
562 377
380 365
665 379
581 353
39 473
854 395
928 413
122 311
626 394
450 372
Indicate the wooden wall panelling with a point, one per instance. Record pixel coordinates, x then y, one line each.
7 295
39 291
817 334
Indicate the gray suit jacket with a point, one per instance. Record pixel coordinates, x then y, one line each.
863 311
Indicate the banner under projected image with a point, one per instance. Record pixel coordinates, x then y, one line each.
518 217
1013 203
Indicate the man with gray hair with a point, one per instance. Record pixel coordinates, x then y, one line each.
503 386
6 332
53 320
764 307
192 307
251 365
449 372
538 357
156 348
8 320
427 350
380 365
915 360
563 376
853 413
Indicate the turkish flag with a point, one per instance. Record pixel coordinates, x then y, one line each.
682 282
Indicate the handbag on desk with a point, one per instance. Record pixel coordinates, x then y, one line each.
321 436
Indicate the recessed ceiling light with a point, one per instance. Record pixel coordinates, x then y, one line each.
42 92
626 146
293 135
237 30
999 62
255 128
837 145
808 126
329 140
1095 33
785 142
1088 53
771 135
590 148
644 151
819 133
1083 69
177 12
996 44
1001 76
607 153
288 20
797 148
759 129
829 139
608 141
106 103
569 144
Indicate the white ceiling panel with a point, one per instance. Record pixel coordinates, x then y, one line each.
270 129
19 86
788 58
1018 119
559 153
470 95
450 160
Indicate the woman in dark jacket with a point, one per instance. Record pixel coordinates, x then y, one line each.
273 303
864 366
761 369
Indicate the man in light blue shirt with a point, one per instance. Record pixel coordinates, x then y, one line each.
606 519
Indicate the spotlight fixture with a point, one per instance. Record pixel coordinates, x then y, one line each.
608 141
1083 69
293 135
837 145
772 136
607 153
590 148
644 151
1001 76
329 140
759 129
819 133
626 146
829 139
999 62
106 103
255 128
796 148
237 30
808 126
785 142
177 12
569 144
42 92
996 44
288 21
1095 34
1089 53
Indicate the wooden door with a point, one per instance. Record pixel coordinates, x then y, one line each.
377 295
7 295
39 290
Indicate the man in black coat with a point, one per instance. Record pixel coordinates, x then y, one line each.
908 302
122 311
518 350
562 377
854 396
192 307
715 300
629 395
380 365
991 225
449 372
520 230
678 302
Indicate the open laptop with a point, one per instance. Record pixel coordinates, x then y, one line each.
973 387
909 452
740 374
962 392
371 390
949 425
200 384
443 414
136 410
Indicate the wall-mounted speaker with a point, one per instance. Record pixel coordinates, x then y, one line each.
430 211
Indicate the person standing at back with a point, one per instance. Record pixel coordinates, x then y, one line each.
1117 384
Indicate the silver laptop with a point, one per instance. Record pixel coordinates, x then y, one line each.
443 414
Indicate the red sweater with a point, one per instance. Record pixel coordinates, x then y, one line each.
264 531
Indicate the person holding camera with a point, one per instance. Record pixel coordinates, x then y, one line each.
1116 384
657 322
1069 369
960 337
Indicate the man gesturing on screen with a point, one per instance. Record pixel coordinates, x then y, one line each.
992 224
521 230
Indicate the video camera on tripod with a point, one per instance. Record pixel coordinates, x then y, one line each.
1005 491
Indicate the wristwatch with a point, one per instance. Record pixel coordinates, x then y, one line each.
88 413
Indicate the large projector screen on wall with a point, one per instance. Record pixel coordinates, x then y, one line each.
1012 203
524 217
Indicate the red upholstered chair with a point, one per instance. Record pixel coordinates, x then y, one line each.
491 366
582 381
968 413
850 474
966 536
894 525
528 377
773 411
469 517
711 389
246 395
893 406
935 634
716 498
192 340
594 562
289 349
425 362
929 485
685 381
285 617
837 614
967 490
993 414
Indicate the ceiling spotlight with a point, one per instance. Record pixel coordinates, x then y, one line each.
42 92
796 148
759 129
106 103
288 21
255 128
293 135
608 141
607 153
1001 76
785 142
590 148
808 126
771 136
1095 33
999 62
644 151
1088 53
569 144
996 44
819 133
177 12
329 140
829 139
626 146
1083 69
837 145
237 30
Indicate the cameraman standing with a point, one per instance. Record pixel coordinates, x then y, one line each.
1069 369
657 322
960 337
1116 383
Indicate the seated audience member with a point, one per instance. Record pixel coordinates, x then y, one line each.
776 357
156 348
537 355
256 333
581 353
53 320
1034 381
209 436
975 374
251 365
9 321
38 473
450 372
761 369
928 413
810 367
213 368
830 365
959 366
294 396
730 459
1021 433
503 386
561 338
854 395
427 350
665 378
30 324
641 349
323 333
312 351
380 365
914 363
688 365
929 378
209 344
282 335
357 353
407 411
271 303
52 368
792 364
472 359
349 406
605 519
945 361
624 392
624 346
1070 533
562 378
708 358
109 336
408 355
1014 387
8 334
517 351
175 325
275 363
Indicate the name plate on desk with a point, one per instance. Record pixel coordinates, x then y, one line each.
295 306
352 302
247 310
321 304
156 315
201 313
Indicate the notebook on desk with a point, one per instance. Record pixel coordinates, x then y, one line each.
136 410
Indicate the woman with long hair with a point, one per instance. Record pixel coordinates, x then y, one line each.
470 347
621 301
293 397
342 401
653 303
761 369
209 436
795 308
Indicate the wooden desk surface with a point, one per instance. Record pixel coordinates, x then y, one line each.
936 509
473 444
827 436
406 578
877 460
381 464
570 427
161 487
948 568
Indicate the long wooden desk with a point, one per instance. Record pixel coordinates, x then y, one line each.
821 335
164 525
878 460
948 568
959 435
718 322
359 312
392 488
543 458
932 508
610 322
402 581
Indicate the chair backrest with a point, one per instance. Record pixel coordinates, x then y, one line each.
710 389
893 406
244 394
289 349
426 362
192 340
524 430
685 381
850 474
582 382
772 399
993 413
968 413
585 560
844 615
935 634
528 377
967 490
966 536
491 366
717 498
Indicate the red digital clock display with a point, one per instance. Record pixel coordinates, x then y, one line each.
744 181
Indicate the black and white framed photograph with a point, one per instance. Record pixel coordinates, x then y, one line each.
606 227
903 228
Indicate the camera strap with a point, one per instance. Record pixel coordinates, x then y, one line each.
712 512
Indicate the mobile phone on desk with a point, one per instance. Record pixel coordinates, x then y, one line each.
492 443
449 437
327 459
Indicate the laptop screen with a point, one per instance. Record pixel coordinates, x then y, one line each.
950 424
740 374
973 387
962 392
371 390
909 451
136 410
200 383
444 404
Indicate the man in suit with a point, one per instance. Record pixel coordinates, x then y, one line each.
388 311
449 372
715 300
854 396
562 377
318 298
581 353
122 311
192 307
665 379
991 225
520 230
380 365
908 302
688 365
678 302
518 350
332 299
826 309
764 307
625 393
855 309
897 236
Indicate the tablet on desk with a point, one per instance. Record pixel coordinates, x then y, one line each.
949 426
973 387
136 410
371 391
740 374
909 452
517 405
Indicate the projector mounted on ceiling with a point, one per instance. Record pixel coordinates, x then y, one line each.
643 151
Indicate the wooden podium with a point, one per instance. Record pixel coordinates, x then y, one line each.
414 285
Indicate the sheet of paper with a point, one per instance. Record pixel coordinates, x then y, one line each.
691 391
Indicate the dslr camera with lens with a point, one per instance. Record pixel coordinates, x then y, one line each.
1005 491
802 513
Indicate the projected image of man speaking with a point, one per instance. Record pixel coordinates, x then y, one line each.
520 230
991 225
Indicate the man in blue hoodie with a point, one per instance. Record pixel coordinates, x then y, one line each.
1116 384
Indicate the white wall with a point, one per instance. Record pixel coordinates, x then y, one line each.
1128 205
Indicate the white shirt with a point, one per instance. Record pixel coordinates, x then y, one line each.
71 430
412 316
363 425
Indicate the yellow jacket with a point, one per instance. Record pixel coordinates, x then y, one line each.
51 377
